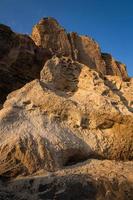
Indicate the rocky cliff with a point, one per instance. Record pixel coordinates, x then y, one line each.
67 131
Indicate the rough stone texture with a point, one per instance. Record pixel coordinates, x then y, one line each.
87 51
91 180
79 108
50 35
20 60
61 74
114 68
50 125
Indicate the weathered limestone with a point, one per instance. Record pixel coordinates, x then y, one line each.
20 60
68 132
56 121
114 68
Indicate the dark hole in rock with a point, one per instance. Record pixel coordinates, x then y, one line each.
76 158
84 122
106 124
105 92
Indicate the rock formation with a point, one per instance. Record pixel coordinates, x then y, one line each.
114 67
20 60
70 130
91 180
49 34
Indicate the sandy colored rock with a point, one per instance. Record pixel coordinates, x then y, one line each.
114 68
61 74
22 57
68 132
87 51
93 179
87 119
50 35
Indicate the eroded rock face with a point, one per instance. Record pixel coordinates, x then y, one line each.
93 180
87 119
20 60
79 108
114 68
61 74
87 51
50 35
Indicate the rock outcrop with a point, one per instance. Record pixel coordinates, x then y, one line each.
49 34
68 132
69 116
91 180
114 68
86 50
20 60
22 57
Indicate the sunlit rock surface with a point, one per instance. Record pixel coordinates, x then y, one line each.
68 132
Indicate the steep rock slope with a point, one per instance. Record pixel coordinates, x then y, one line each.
69 116
49 34
68 132
114 67
20 60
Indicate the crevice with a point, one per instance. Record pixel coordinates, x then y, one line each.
79 157
74 159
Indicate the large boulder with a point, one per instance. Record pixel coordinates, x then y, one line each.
46 125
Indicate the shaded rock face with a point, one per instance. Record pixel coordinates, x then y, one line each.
87 51
92 180
20 60
114 68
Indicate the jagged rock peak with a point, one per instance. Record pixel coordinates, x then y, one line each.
47 21
48 33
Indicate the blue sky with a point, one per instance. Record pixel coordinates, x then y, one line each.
109 22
